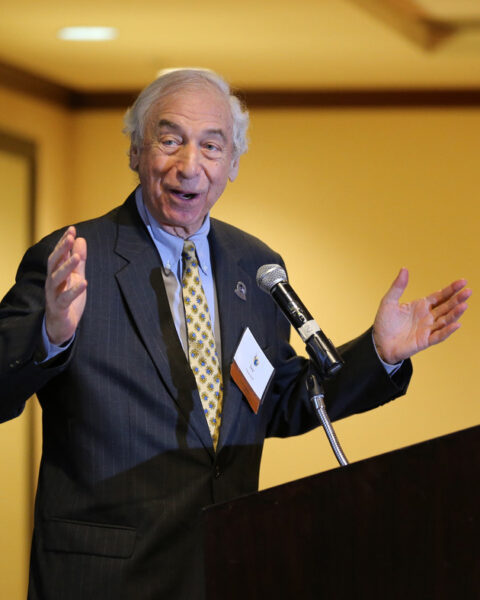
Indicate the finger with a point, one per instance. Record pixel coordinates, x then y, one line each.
451 317
68 235
80 248
438 297
398 286
59 278
62 249
65 299
74 260
448 305
442 334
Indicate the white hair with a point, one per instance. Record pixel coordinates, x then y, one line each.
173 80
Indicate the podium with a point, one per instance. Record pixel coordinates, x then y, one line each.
403 525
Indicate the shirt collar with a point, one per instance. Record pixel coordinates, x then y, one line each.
170 246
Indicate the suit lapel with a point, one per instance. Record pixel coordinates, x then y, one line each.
142 286
234 315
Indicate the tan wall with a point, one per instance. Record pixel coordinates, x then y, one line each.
47 126
347 197
101 178
15 450
363 193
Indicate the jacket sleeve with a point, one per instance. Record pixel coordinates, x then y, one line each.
361 384
21 317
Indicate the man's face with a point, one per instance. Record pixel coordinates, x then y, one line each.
186 158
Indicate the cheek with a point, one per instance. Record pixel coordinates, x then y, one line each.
218 175
151 169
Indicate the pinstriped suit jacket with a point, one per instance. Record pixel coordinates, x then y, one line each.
127 458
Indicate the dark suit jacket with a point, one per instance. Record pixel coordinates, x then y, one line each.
127 458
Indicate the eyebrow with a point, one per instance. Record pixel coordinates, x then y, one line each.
171 125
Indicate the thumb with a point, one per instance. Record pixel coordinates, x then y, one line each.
398 286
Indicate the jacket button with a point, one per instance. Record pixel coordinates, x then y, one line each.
217 472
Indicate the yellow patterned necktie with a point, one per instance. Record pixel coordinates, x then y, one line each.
202 354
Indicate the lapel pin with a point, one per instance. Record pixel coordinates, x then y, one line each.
241 290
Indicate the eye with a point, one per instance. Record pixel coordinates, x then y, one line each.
212 148
169 143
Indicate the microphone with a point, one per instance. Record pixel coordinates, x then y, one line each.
273 280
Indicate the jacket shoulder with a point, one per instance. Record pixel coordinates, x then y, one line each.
246 244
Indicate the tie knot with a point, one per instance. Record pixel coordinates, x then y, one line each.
189 250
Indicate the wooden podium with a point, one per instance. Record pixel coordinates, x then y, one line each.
403 525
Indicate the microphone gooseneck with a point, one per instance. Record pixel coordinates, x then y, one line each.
272 279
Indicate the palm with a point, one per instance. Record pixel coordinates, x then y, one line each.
403 329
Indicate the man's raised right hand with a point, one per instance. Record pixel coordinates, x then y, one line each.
65 287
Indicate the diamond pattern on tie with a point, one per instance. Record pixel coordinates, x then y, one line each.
202 354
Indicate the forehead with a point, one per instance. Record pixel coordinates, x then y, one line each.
194 107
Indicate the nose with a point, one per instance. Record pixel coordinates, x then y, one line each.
188 163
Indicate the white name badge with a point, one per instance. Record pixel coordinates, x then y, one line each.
251 370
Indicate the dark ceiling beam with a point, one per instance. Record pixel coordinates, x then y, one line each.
411 21
38 87
98 100
364 98
33 85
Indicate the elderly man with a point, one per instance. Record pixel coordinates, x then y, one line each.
143 423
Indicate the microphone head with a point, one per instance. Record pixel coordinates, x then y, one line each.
269 275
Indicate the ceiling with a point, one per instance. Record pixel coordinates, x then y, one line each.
256 44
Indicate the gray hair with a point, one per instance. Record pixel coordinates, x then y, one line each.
172 80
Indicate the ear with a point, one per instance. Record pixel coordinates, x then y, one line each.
134 155
232 174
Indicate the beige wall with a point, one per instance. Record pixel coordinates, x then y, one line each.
101 178
364 193
15 450
347 197
49 127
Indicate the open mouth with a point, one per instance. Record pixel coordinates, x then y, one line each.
184 195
